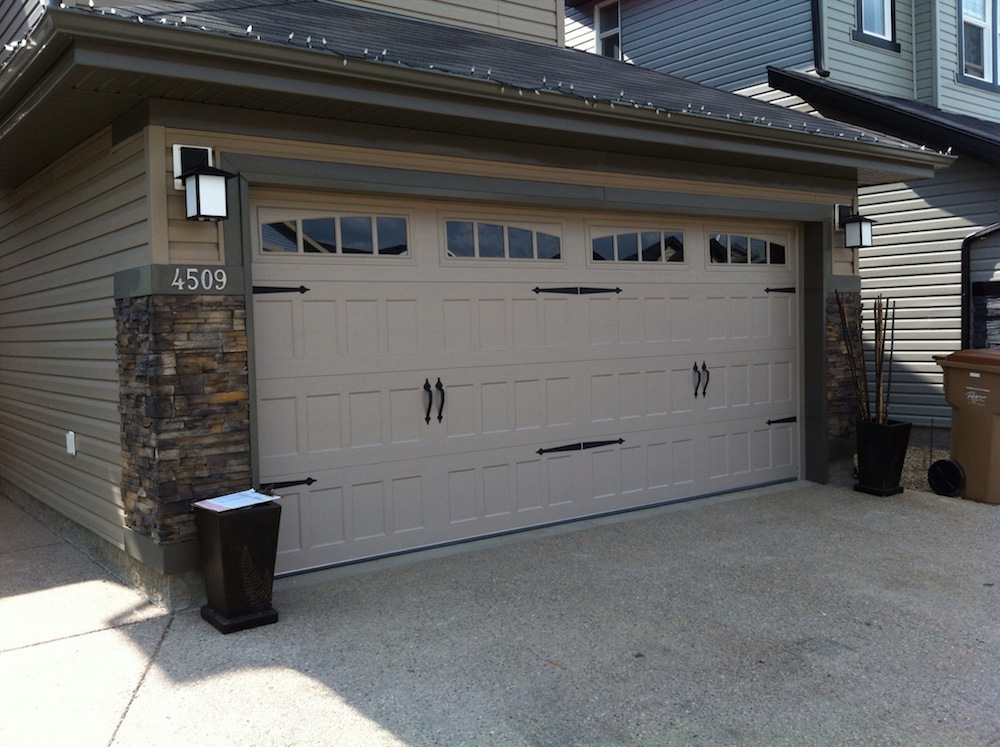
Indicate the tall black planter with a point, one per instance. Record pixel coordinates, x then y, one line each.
238 549
881 453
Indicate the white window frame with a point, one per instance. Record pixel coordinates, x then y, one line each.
887 20
990 31
602 34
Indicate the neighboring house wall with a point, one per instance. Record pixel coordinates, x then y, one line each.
64 233
925 41
537 20
866 65
961 98
916 261
707 43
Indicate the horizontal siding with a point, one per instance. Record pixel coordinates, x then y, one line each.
925 51
536 20
580 28
985 259
63 234
725 44
865 65
17 18
952 95
916 262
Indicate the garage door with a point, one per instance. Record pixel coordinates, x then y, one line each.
430 372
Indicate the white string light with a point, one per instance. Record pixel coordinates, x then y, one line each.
561 86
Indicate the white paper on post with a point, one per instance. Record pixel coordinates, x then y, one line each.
234 500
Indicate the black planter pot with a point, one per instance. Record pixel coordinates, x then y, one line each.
881 453
238 549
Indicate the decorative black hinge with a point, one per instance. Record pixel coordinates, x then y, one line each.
279 289
790 289
271 487
582 446
792 419
577 290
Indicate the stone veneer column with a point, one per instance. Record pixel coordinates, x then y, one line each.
842 403
185 408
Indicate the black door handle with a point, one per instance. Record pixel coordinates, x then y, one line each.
708 375
430 399
696 378
440 387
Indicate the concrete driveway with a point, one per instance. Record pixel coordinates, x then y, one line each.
795 615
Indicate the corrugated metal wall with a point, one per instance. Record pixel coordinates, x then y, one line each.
62 236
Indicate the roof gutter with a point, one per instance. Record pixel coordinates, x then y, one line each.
967 309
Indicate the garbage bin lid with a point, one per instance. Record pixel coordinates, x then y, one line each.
976 359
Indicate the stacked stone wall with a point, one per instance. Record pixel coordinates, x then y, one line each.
842 404
185 404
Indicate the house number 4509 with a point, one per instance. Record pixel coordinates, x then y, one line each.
195 279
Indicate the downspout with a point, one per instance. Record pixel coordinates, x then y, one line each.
819 46
967 309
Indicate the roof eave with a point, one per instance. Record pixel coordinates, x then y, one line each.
846 105
65 39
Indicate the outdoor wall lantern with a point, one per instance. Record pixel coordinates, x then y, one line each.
205 192
857 231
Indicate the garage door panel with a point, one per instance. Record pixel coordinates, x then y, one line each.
567 389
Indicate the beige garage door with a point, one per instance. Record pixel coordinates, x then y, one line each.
430 372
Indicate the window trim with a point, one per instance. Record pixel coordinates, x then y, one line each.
991 41
600 34
860 34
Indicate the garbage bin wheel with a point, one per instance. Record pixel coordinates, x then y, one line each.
946 477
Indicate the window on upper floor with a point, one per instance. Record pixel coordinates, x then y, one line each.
607 22
876 24
979 33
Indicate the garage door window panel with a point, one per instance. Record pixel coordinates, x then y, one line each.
355 235
735 249
467 239
645 246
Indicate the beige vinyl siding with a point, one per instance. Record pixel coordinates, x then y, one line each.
865 65
916 261
17 18
537 20
954 96
63 234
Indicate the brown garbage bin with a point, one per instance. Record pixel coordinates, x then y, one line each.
972 388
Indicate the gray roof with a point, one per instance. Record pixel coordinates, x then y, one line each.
329 60
946 131
355 33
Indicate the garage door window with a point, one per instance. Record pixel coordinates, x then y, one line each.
356 235
639 246
480 240
733 249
